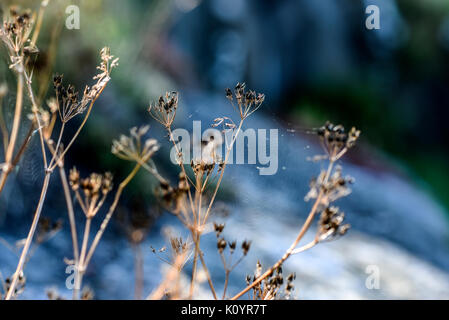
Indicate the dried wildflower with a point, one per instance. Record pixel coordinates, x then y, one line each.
221 245
94 189
68 101
218 228
20 287
271 286
15 32
232 245
331 224
74 179
247 101
130 147
106 184
336 141
178 245
226 123
335 187
246 245
164 111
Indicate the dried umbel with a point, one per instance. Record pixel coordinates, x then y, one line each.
336 141
272 287
333 187
19 288
68 101
219 228
15 32
131 147
247 101
331 224
178 245
164 111
94 190
178 248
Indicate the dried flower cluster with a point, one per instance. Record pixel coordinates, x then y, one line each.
336 141
334 187
15 33
247 101
331 224
131 147
272 287
94 189
164 111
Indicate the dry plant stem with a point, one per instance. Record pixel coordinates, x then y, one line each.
14 131
29 237
81 266
4 130
36 116
195 261
292 248
43 191
71 215
196 239
209 280
70 211
16 121
226 283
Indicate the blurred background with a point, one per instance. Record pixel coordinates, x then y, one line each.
315 61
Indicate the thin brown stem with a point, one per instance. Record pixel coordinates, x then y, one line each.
226 283
29 238
70 211
16 121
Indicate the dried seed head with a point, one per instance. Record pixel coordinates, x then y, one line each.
106 183
336 186
221 245
74 178
164 111
336 141
246 245
219 228
131 147
232 246
247 101
331 224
